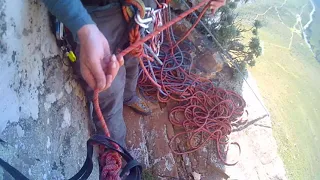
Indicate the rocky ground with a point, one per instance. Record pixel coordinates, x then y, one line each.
259 157
43 124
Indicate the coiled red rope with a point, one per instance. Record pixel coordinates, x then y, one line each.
205 113
206 110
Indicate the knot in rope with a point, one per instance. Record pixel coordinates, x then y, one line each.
134 36
111 165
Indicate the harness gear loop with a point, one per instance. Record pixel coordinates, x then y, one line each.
129 9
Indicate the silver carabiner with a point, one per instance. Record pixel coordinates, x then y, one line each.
164 5
143 22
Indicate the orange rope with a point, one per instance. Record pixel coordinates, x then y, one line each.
109 161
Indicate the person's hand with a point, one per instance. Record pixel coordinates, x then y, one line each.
98 66
216 4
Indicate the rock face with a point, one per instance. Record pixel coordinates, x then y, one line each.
148 139
259 157
42 108
208 64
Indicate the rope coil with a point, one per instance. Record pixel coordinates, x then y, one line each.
205 113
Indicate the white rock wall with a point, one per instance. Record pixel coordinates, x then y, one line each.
43 118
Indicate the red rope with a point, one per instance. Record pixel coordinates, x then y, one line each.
205 112
109 161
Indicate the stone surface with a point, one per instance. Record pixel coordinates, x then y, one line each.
208 64
175 5
43 124
259 158
148 138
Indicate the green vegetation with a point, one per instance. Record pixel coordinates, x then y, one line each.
288 78
147 174
229 32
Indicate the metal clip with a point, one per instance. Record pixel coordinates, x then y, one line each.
59 30
143 22
151 16
164 5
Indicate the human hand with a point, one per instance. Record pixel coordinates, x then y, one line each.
98 66
216 4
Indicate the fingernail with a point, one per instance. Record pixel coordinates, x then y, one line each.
113 58
113 65
121 61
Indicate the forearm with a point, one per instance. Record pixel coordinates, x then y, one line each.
70 12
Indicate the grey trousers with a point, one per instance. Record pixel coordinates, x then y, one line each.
113 25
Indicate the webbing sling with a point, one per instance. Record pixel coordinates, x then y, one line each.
132 170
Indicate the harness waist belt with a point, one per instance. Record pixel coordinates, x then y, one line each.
95 2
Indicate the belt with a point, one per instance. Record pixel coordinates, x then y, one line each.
95 2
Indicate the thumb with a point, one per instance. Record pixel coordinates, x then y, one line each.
113 67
